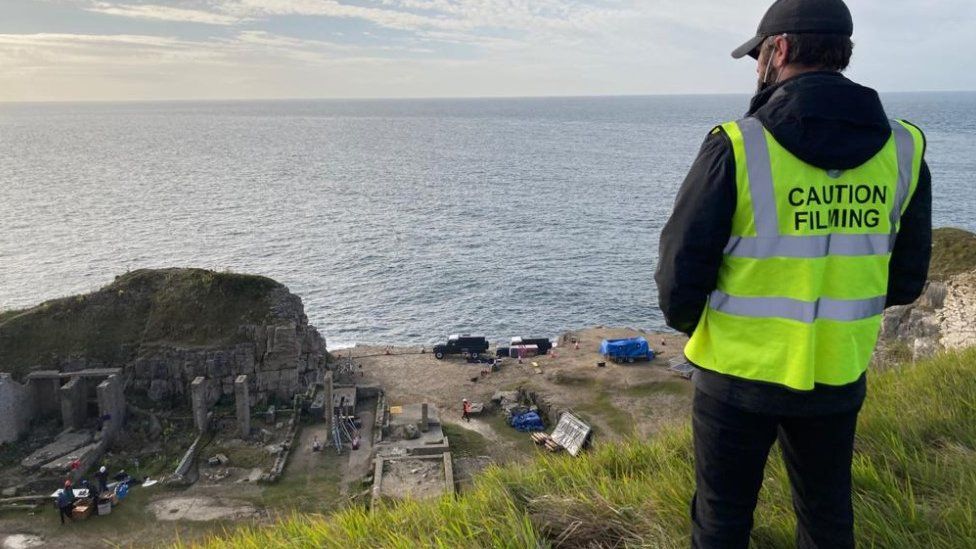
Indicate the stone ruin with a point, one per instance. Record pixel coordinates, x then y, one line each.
256 364
412 453
81 399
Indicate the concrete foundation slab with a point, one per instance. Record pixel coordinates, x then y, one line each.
65 444
415 477
83 454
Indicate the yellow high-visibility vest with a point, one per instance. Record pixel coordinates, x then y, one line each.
804 277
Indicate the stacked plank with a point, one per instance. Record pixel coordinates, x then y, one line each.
543 439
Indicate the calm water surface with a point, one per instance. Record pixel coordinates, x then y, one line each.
396 221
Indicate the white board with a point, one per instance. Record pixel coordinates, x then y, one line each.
571 433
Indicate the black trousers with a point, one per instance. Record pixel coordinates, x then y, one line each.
65 512
731 448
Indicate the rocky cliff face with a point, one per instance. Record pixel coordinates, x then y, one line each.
944 317
280 357
166 327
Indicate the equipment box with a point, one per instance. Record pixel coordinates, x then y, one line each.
526 350
82 509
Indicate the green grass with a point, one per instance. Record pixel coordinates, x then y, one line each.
600 407
131 524
658 387
914 486
953 252
465 442
187 307
316 490
571 379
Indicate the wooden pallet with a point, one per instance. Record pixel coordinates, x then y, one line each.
543 439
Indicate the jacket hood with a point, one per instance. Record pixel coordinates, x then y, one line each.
824 119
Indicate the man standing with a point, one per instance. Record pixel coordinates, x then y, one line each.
465 410
101 478
795 227
66 501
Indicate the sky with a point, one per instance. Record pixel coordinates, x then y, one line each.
71 50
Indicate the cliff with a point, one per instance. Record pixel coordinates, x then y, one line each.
165 327
944 317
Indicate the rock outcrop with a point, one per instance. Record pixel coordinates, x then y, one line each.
279 357
944 317
166 327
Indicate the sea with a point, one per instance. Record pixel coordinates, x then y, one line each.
396 221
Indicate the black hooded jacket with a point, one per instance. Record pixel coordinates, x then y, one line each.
825 120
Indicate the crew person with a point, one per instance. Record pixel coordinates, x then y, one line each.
101 477
66 501
465 410
793 230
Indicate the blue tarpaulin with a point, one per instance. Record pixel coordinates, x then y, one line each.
529 421
633 348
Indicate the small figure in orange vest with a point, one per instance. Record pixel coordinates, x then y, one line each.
465 410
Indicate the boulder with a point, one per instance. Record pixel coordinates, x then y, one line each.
925 347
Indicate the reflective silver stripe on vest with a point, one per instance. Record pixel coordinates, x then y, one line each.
795 309
810 246
769 243
760 177
905 147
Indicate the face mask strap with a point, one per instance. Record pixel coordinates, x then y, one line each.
769 62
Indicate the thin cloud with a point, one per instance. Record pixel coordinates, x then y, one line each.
49 39
163 13
388 18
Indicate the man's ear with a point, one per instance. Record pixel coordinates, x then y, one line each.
781 54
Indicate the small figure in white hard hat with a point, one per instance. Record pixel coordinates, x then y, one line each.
101 477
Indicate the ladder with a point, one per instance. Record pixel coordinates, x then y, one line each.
336 437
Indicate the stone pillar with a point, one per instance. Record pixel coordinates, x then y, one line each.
242 401
111 404
16 408
73 405
327 389
198 399
424 419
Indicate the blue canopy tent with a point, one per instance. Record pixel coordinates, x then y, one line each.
629 349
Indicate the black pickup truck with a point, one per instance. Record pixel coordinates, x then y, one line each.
461 344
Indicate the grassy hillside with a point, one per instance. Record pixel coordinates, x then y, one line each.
953 252
914 477
188 307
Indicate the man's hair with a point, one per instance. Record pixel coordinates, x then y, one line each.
831 52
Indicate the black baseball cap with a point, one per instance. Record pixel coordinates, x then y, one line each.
799 17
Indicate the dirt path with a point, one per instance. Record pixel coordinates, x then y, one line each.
478 426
